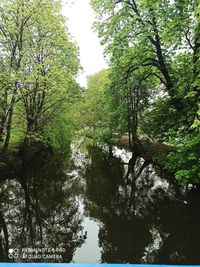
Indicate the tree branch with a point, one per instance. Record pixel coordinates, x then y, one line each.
188 39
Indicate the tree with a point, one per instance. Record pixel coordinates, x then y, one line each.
14 17
41 61
157 28
131 90
156 44
94 115
48 74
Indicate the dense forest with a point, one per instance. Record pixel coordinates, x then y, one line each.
147 100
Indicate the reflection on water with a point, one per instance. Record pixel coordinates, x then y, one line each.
39 209
96 207
89 251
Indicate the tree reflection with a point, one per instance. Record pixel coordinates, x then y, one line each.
122 236
142 216
143 219
40 210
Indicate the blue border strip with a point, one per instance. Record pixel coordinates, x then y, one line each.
3 264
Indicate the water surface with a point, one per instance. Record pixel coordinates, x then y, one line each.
93 206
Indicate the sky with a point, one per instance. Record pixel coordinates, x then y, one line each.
80 19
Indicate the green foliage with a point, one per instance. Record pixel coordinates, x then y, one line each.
38 71
94 118
59 133
186 161
154 49
161 111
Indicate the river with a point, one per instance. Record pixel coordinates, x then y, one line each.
91 206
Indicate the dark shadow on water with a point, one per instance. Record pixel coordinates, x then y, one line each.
39 210
144 218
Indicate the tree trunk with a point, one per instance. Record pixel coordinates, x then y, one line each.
5 233
2 126
4 114
162 66
196 57
10 116
9 125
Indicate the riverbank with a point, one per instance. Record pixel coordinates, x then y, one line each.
151 152
150 147
146 143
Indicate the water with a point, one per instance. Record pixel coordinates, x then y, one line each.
93 207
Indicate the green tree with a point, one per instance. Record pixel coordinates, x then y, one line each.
94 115
41 61
157 31
155 44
